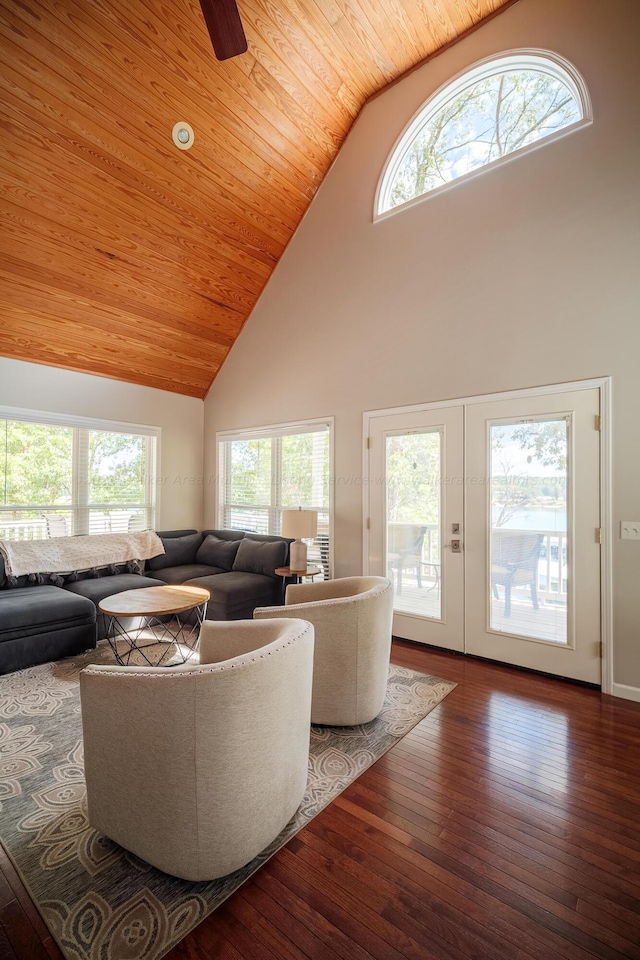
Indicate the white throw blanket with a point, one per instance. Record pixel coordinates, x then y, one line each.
66 554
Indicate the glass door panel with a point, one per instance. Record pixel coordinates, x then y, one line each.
413 521
532 572
529 570
414 502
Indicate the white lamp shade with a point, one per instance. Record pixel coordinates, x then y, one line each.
299 524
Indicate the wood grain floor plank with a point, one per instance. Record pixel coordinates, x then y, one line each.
623 851
243 910
354 918
411 938
333 942
396 904
423 881
20 933
53 950
438 881
274 912
22 897
6 950
497 882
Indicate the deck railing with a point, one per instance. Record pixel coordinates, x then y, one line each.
23 530
59 524
552 565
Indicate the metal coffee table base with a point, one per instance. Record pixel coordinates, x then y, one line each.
175 639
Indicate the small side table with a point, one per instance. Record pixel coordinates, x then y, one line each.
286 572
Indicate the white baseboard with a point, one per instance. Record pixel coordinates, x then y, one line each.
623 690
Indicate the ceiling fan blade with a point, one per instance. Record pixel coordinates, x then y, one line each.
225 27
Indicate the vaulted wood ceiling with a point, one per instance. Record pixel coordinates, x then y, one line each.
126 257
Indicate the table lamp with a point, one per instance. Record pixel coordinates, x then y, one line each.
298 524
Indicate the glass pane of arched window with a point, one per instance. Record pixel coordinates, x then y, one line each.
481 120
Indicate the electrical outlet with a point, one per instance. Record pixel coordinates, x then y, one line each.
630 529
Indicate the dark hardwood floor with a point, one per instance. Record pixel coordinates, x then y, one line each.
505 825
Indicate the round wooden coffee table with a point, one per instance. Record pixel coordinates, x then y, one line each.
162 636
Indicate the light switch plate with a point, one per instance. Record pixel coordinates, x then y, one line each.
630 529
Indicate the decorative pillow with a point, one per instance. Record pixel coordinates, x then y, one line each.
260 556
218 553
177 551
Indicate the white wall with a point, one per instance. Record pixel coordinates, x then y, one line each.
180 486
527 275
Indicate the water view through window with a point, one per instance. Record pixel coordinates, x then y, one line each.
529 545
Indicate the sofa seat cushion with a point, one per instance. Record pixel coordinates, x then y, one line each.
187 572
41 610
98 588
235 595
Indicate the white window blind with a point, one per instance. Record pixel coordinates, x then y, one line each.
71 477
264 471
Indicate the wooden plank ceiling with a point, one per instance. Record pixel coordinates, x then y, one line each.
125 257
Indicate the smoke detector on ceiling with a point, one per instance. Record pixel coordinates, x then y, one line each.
182 135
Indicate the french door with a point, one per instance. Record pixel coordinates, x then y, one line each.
485 515
416 484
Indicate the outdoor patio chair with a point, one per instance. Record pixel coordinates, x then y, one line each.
404 550
56 525
514 563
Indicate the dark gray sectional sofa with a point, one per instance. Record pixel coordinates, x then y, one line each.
237 569
40 621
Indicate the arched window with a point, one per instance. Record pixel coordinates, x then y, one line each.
499 107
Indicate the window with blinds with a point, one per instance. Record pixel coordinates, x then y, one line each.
265 471
68 478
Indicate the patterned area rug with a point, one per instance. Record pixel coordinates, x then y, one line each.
98 900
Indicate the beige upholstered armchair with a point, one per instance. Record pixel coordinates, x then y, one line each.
352 620
197 769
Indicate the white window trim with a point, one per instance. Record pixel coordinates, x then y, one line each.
281 430
545 61
92 423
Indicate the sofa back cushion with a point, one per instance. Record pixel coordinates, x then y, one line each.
175 533
177 551
260 556
218 553
227 534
